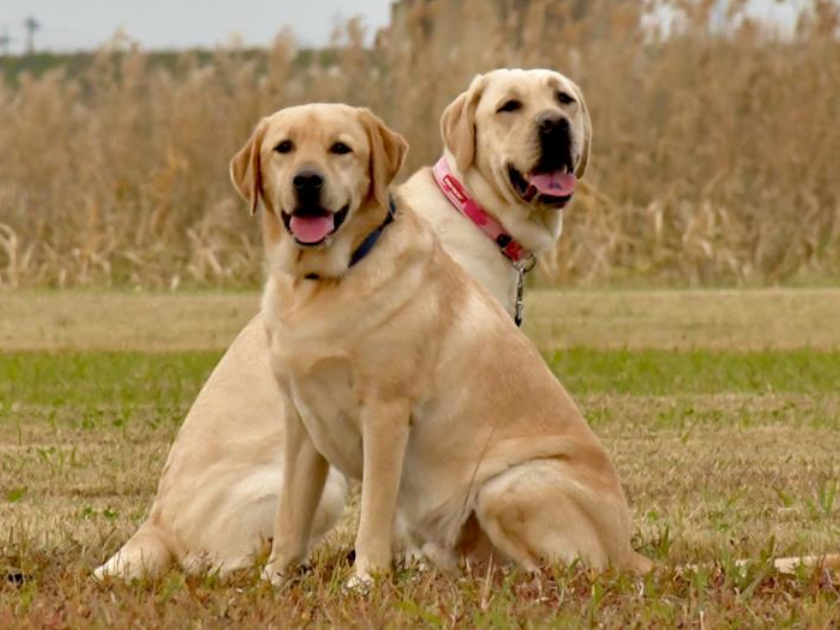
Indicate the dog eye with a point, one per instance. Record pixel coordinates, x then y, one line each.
564 98
511 106
284 147
339 148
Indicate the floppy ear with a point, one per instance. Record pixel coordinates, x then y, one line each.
387 154
587 133
245 168
457 125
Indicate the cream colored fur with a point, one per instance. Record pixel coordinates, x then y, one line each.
404 373
217 495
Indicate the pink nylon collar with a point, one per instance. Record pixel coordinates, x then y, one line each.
466 205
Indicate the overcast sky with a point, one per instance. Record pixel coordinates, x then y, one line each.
84 24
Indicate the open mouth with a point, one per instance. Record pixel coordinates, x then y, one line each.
311 226
549 188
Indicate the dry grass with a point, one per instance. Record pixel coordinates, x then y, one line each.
97 320
715 157
716 469
723 319
711 477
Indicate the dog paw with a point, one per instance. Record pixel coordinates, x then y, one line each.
411 557
359 583
441 558
274 573
271 573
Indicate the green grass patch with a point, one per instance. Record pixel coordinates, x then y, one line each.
97 378
724 455
665 372
129 378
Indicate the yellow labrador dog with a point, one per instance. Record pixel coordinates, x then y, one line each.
401 371
514 143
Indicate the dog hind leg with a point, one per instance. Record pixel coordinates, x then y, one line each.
539 512
146 554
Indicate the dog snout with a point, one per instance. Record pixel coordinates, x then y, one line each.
551 123
554 134
308 183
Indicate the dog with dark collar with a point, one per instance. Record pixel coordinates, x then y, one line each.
404 373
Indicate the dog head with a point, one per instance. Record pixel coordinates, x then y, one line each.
521 139
322 173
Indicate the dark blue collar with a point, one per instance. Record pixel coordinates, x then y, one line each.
372 238
370 241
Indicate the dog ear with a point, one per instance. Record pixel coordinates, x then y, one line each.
245 168
580 169
457 125
387 154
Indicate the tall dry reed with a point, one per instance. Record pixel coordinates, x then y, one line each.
716 157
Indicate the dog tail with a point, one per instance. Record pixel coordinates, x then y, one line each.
147 554
790 565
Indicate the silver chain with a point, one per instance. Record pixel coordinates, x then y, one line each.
522 267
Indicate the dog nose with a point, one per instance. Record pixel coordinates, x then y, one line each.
552 122
308 180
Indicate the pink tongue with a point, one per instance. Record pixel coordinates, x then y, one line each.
556 183
311 229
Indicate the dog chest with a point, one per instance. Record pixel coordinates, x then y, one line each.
327 401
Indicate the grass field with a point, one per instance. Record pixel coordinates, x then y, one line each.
721 409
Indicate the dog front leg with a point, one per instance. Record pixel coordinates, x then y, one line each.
385 428
304 474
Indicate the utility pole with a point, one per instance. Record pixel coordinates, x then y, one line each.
31 25
5 40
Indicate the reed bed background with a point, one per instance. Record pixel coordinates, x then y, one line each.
716 155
